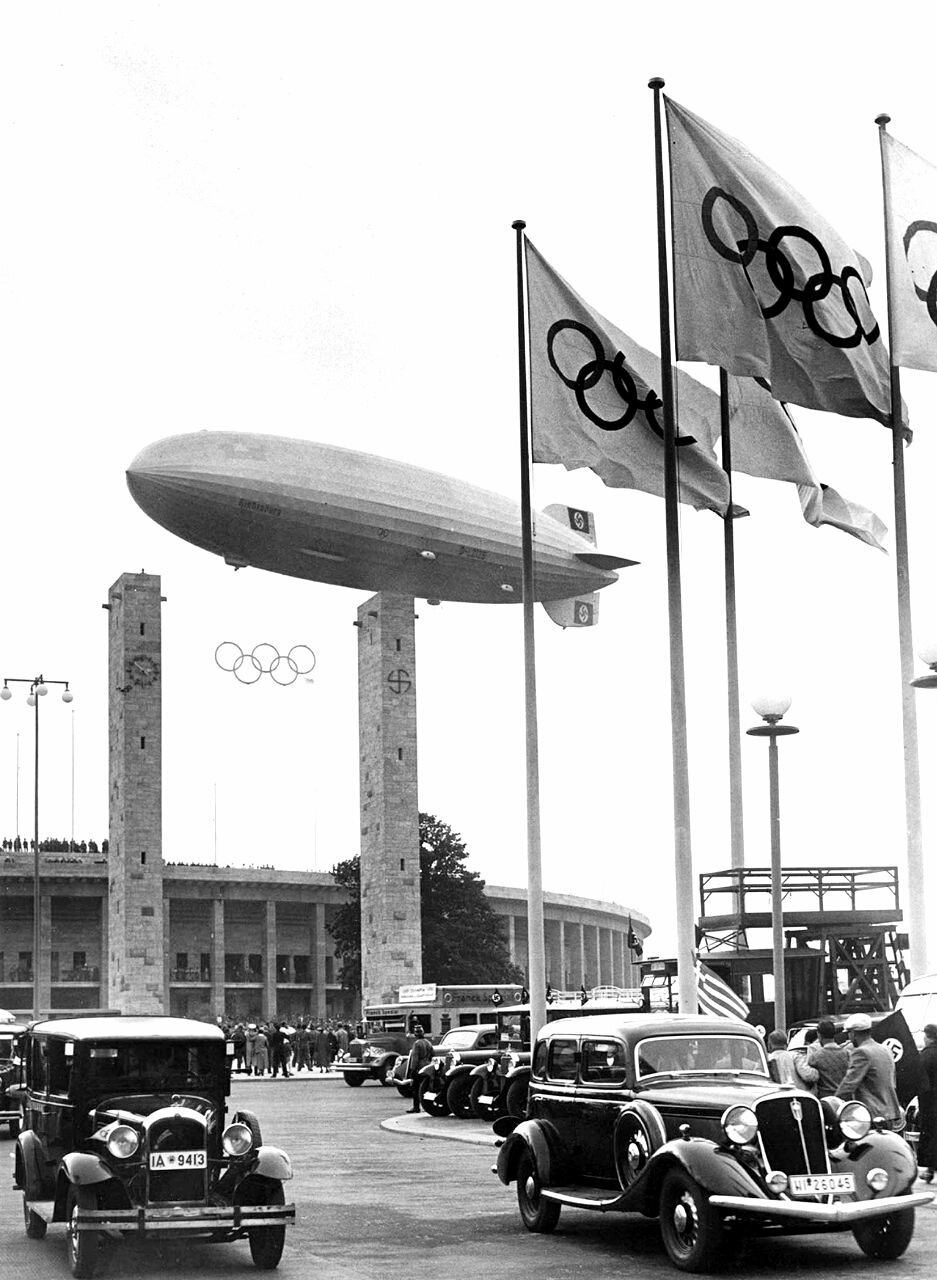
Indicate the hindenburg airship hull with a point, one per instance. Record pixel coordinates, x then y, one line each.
355 520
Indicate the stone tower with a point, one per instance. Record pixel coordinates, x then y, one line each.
391 935
135 856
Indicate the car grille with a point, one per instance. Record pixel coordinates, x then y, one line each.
792 1134
177 1134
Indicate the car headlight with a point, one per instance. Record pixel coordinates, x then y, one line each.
491 1064
122 1141
236 1140
455 1059
740 1125
877 1179
855 1120
513 1060
777 1181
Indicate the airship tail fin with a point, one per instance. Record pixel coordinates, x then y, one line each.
581 522
579 611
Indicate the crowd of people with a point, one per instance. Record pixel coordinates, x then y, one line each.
277 1048
52 844
861 1069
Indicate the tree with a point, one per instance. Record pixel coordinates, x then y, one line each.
462 936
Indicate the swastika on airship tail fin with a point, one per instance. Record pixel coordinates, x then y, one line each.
581 522
579 611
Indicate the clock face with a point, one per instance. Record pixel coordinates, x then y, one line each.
142 670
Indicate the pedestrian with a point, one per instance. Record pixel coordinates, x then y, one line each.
260 1053
250 1039
239 1041
782 1065
420 1053
333 1045
870 1076
927 1106
277 1041
341 1035
828 1058
321 1049
301 1043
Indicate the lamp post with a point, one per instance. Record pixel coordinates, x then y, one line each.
927 653
38 688
772 710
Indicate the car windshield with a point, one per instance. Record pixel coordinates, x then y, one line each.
711 1053
6 1047
152 1066
462 1038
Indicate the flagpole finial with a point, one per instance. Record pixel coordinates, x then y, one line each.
656 82
519 225
882 120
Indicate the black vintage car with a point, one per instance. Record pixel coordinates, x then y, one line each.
373 1058
124 1132
446 1080
676 1117
10 1040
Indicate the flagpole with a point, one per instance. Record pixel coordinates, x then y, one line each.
917 926
536 965
732 643
683 855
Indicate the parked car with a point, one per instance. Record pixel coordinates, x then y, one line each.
446 1081
124 1133
676 1117
10 1109
373 1059
501 1083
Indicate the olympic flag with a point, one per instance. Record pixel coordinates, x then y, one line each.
910 213
763 285
766 443
595 401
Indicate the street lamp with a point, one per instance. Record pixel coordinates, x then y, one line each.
38 688
772 711
927 654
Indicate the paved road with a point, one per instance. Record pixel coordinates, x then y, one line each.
376 1204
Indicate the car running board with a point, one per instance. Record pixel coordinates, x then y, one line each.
583 1197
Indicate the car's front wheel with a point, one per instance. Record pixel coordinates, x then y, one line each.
886 1237
480 1088
83 1247
353 1078
387 1075
693 1234
266 1243
459 1097
515 1101
437 1106
35 1226
537 1213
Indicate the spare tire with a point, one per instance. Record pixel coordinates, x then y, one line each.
248 1118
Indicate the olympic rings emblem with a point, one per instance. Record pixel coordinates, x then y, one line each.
929 295
590 375
783 272
265 659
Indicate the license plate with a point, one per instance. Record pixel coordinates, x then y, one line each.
177 1160
486 1099
821 1184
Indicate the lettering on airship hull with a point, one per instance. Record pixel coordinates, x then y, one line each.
248 504
400 681
473 553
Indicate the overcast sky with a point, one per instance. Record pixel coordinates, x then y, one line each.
285 219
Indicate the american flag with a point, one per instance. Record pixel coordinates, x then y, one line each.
716 997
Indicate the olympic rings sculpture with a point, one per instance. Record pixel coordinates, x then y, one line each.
782 272
265 659
929 295
590 374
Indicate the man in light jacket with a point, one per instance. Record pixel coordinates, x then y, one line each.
870 1076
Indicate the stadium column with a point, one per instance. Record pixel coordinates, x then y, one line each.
320 943
136 982
391 929
217 957
270 959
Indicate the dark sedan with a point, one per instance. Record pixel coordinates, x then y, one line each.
676 1117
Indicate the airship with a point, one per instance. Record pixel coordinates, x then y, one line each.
353 519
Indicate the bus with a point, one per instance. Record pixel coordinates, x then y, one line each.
438 1007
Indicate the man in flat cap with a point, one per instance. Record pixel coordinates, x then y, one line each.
870 1076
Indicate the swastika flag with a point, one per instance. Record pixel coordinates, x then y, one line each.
595 399
763 285
911 223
